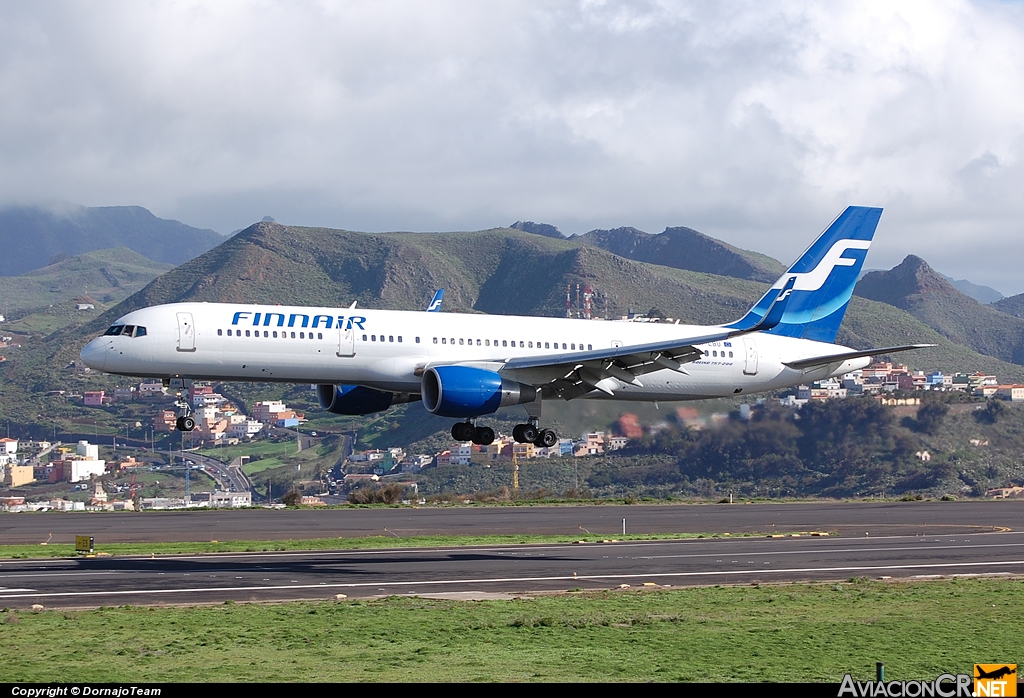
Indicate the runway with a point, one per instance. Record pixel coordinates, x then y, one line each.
510 570
839 518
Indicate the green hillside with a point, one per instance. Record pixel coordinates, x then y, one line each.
107 276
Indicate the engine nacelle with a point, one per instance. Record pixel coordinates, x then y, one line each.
464 391
357 399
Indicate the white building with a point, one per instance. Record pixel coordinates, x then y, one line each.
267 410
231 500
88 451
151 389
241 427
86 469
8 446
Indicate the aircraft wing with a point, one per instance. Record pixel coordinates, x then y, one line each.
572 375
569 376
816 361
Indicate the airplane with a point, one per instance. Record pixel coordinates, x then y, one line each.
466 366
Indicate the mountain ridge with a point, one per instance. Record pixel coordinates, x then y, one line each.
915 287
34 237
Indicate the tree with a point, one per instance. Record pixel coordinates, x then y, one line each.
992 412
929 417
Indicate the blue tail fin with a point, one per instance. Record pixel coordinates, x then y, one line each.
821 281
435 302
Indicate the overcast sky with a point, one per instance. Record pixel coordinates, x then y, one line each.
755 122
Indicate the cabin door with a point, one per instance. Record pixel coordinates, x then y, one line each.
346 340
186 332
750 364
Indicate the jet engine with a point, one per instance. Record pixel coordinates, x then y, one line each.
464 391
357 399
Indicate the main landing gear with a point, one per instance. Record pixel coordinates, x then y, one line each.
467 431
522 433
185 423
529 433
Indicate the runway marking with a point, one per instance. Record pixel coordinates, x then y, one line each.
58 573
840 550
506 580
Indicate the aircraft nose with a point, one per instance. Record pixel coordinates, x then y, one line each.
94 354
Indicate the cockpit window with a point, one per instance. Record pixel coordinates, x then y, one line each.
126 330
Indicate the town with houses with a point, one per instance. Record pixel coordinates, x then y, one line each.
219 422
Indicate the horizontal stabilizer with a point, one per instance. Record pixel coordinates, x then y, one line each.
847 355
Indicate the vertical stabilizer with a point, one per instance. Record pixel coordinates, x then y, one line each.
435 302
821 281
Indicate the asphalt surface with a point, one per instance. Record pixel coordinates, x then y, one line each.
844 519
477 572
897 540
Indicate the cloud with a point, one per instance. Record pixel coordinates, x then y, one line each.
753 122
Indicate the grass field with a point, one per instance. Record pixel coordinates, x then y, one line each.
800 632
369 542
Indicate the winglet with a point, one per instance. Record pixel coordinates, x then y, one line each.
435 303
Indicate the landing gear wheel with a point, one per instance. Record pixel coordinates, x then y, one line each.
463 431
546 439
483 436
186 423
527 433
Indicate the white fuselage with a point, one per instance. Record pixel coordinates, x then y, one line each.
388 350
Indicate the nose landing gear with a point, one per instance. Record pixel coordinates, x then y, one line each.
185 420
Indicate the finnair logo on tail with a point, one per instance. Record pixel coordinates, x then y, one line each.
435 304
815 278
785 294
